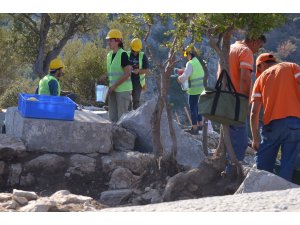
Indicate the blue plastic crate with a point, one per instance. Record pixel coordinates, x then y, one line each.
47 107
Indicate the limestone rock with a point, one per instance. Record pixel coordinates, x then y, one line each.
29 195
27 180
122 178
2 117
11 147
136 162
12 204
5 197
189 150
260 181
270 201
115 197
152 195
212 139
20 200
2 167
88 133
122 139
65 197
81 165
15 171
41 205
46 162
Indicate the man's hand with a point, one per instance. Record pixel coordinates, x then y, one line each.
111 90
255 144
136 71
178 81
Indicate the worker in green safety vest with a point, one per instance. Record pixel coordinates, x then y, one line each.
118 75
194 73
140 67
49 84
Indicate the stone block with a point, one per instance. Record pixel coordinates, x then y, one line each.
115 197
11 147
88 133
260 181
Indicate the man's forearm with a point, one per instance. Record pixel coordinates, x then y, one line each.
254 125
144 71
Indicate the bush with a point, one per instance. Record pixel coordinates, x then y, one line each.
85 62
20 85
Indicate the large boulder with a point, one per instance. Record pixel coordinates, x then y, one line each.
11 147
260 181
136 162
81 165
2 117
122 178
123 140
47 162
115 197
189 150
88 133
14 174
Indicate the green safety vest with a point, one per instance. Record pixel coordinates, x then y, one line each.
44 85
196 78
142 76
115 72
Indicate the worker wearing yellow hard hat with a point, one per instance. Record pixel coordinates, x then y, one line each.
118 74
140 67
49 85
194 73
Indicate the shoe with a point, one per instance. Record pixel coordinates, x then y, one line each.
193 131
200 128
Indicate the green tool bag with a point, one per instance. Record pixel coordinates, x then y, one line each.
224 106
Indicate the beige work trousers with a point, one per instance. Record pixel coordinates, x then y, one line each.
118 103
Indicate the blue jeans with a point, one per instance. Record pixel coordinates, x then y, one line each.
239 139
193 103
284 133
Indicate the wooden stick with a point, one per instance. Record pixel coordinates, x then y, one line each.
204 136
188 115
177 118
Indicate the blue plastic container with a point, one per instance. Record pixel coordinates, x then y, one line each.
47 107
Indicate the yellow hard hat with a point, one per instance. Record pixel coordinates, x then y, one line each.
114 33
56 64
136 44
192 49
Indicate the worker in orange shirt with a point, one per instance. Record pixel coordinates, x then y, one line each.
241 63
277 89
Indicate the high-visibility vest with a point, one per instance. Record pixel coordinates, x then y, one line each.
196 78
142 76
44 85
115 72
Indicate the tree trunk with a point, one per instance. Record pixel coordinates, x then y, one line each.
204 128
225 144
155 123
38 67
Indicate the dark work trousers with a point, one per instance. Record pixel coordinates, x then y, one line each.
193 102
136 94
